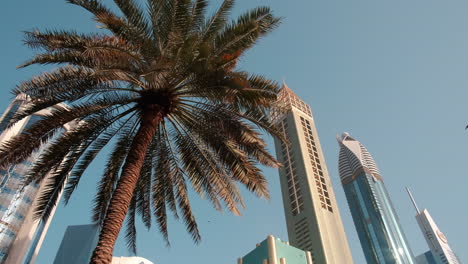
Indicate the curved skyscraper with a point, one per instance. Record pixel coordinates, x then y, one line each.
377 224
312 215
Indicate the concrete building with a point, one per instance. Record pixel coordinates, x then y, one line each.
312 215
77 245
440 251
376 221
21 235
130 260
274 251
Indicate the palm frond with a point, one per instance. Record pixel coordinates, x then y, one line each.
131 232
135 15
22 145
242 34
111 175
143 205
217 21
93 147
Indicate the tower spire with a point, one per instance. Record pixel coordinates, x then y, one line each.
412 200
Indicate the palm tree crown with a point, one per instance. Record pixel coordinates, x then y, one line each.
161 88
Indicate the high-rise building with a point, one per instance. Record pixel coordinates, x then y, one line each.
425 258
21 235
77 245
274 251
375 219
312 215
436 240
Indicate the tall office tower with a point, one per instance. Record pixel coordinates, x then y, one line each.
20 234
437 242
377 225
312 216
274 251
77 245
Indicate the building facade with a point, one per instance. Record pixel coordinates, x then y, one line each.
77 245
375 219
130 260
274 251
312 215
425 258
440 251
20 234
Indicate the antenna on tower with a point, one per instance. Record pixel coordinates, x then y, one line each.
412 200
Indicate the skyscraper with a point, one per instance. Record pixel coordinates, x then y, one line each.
436 240
274 251
20 234
77 244
377 224
312 216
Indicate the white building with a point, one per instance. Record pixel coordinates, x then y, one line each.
436 240
130 260
312 215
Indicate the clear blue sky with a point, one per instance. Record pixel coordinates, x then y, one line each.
392 73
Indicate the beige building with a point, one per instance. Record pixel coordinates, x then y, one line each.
312 216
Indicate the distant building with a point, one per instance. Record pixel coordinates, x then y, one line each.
440 251
130 260
425 258
274 251
77 245
21 235
376 222
312 216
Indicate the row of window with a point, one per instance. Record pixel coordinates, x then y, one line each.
316 167
301 230
299 104
294 189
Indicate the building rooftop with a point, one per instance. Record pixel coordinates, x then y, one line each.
287 100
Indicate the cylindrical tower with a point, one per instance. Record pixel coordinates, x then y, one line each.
375 219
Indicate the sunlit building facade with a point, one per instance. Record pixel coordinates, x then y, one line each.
20 234
375 219
440 251
274 251
130 260
312 215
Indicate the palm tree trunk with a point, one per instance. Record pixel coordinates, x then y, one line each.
122 196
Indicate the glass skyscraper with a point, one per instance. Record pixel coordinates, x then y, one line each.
377 224
312 216
20 235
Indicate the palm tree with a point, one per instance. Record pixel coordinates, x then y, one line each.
160 86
